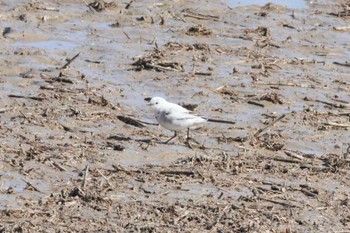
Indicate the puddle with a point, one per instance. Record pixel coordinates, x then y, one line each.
200 191
48 45
16 183
297 4
155 155
10 181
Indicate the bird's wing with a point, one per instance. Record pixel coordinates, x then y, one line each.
182 115
179 108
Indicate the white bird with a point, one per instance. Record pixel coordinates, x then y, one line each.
176 118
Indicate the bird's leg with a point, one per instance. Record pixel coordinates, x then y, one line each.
175 135
189 138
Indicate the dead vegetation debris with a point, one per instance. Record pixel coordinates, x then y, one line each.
115 25
101 5
335 162
66 150
190 107
272 7
131 121
261 36
40 6
225 139
98 100
93 191
116 147
6 31
273 97
200 16
156 61
260 31
199 30
268 141
344 12
186 47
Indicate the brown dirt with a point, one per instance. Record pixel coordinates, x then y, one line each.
78 154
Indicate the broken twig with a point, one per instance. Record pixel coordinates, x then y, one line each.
171 172
70 61
269 125
31 185
85 176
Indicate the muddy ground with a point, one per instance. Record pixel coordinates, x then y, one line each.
73 76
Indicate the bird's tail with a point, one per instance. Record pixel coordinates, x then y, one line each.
221 121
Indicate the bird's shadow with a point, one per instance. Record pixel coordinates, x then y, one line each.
150 141
144 140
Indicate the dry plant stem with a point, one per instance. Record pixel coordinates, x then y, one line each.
31 185
70 61
104 177
86 174
269 125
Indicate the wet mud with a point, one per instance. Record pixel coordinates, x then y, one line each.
81 152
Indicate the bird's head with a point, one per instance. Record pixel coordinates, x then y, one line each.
156 102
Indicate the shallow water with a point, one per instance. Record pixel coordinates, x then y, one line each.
48 45
296 4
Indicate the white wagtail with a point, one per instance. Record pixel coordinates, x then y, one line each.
176 118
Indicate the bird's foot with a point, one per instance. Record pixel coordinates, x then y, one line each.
192 139
187 143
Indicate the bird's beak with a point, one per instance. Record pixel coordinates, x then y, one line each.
148 99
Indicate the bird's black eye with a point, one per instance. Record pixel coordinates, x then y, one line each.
156 102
